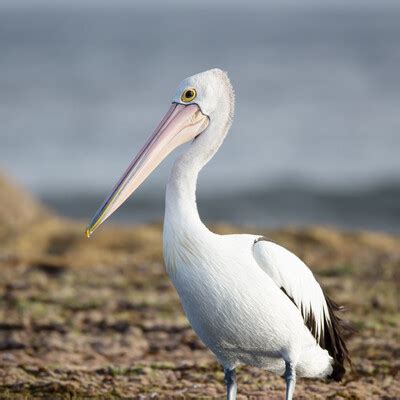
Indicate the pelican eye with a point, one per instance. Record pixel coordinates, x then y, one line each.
188 95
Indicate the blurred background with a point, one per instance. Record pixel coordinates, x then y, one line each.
316 135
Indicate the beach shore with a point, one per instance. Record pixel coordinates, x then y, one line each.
99 318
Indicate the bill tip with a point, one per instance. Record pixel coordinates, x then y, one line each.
88 233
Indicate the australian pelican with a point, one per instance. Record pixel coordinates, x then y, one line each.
249 300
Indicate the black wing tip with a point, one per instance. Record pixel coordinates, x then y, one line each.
338 371
334 340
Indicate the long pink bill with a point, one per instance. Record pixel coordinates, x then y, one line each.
181 124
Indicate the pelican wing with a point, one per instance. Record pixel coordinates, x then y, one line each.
297 281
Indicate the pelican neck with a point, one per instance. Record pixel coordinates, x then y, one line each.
180 202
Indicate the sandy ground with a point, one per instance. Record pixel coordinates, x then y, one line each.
99 318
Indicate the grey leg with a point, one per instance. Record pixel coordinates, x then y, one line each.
290 378
231 386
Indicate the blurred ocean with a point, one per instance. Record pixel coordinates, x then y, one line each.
316 135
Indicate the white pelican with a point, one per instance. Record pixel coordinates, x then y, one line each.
249 300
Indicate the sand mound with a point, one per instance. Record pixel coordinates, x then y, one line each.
18 209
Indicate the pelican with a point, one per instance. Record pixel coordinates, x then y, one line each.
248 299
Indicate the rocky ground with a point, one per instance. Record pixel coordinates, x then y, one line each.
98 318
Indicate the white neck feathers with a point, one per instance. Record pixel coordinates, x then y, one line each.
181 208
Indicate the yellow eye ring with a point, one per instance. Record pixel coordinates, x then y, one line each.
188 95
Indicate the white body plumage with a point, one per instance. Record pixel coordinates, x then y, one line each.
235 307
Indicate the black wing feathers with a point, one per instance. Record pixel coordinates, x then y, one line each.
332 335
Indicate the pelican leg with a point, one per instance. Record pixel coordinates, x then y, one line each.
230 382
290 378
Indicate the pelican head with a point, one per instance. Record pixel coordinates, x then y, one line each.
200 101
